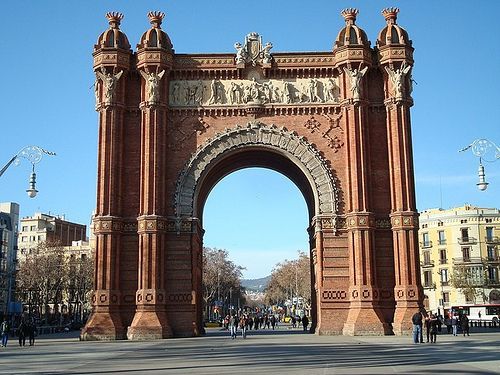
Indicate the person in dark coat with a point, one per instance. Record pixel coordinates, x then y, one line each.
21 333
32 332
465 324
305 322
433 327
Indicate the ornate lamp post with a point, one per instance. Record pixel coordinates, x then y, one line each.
33 154
484 150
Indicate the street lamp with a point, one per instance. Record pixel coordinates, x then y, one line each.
33 154
484 150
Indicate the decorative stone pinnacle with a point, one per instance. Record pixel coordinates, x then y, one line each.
156 18
349 15
114 19
390 15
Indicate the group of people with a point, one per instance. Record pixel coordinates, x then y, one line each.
433 324
246 322
25 330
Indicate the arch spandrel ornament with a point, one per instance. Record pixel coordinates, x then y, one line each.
303 154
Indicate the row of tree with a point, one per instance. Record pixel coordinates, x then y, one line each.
291 281
54 286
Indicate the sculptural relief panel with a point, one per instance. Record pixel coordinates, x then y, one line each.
205 93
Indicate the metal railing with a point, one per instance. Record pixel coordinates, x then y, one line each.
492 239
466 240
427 263
467 260
425 244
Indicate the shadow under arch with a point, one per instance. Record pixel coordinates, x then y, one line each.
260 145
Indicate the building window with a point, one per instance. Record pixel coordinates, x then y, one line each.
33 228
440 223
427 257
33 238
444 276
492 275
466 254
442 239
24 239
465 234
25 228
427 279
492 253
488 221
489 233
446 297
442 256
463 221
425 240
424 225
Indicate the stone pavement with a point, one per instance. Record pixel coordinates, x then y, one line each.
284 351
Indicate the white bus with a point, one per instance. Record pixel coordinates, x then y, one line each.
488 313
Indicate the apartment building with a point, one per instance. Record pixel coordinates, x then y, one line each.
9 218
459 241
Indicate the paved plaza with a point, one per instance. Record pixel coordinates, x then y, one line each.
285 351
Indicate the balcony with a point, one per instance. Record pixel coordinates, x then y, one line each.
467 240
427 263
467 260
492 239
429 285
492 283
425 244
441 242
443 261
492 259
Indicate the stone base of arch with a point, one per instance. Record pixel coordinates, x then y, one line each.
366 321
104 326
149 325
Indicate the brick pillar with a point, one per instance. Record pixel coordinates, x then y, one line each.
364 316
105 322
150 320
408 291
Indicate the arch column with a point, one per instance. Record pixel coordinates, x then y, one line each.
364 317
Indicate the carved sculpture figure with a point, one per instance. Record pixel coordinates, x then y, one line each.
397 77
152 85
241 53
330 91
216 92
287 92
109 81
235 93
313 91
176 93
355 77
266 53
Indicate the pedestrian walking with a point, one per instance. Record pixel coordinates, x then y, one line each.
305 322
32 332
21 333
4 331
454 323
243 326
434 324
465 324
233 325
427 326
273 321
416 319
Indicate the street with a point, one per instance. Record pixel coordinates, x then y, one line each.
263 352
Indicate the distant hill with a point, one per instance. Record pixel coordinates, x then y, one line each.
256 285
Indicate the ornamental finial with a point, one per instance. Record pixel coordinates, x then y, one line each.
156 18
114 19
349 15
390 15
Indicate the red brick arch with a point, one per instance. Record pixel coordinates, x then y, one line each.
337 123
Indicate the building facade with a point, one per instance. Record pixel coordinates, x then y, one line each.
336 123
9 219
461 242
47 228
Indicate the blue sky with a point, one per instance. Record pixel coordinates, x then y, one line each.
47 100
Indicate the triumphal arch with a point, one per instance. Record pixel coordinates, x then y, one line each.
171 125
